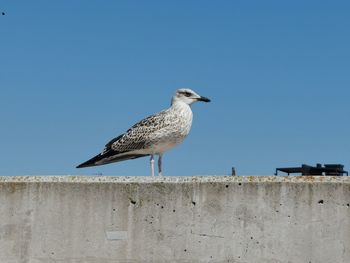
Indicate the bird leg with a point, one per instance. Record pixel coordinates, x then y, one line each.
160 165
152 165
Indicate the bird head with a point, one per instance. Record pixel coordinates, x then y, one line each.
187 96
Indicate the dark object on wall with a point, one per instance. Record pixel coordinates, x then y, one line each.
3 13
233 171
327 169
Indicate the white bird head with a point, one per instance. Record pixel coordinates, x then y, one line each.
187 96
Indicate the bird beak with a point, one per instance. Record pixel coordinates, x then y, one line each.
203 99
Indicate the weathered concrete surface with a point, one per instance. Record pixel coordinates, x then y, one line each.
174 219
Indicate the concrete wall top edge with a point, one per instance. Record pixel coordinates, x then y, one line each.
174 179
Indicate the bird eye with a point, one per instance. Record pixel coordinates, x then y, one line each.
187 94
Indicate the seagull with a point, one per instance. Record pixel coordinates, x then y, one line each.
153 135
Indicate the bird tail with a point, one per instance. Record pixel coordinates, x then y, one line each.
91 162
101 159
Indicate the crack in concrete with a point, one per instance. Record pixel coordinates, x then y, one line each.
207 235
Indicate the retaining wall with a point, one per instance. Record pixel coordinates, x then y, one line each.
174 219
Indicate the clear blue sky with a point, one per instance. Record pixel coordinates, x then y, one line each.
75 74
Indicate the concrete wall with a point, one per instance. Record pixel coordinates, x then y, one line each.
174 219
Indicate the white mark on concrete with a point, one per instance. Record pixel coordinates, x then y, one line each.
116 235
206 235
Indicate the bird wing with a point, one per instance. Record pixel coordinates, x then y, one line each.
139 135
136 138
